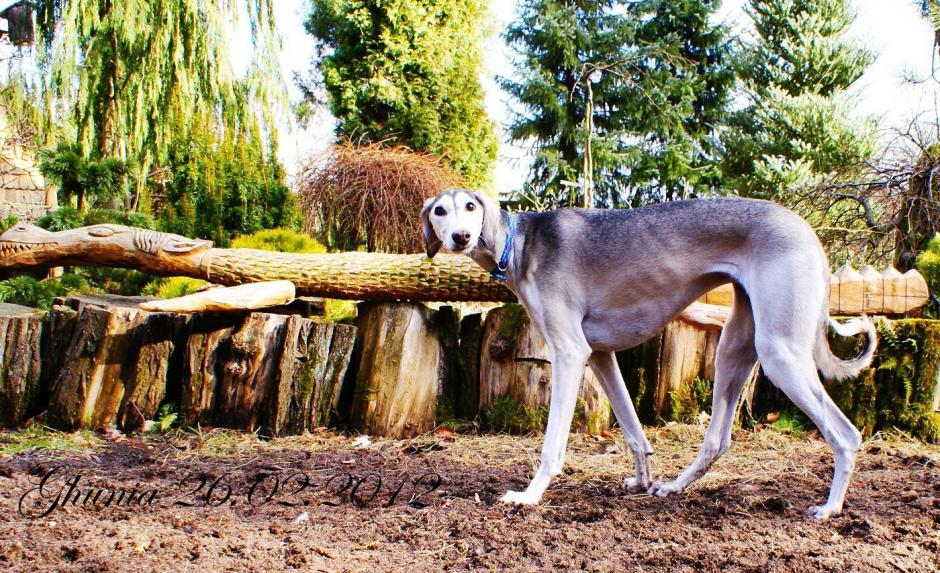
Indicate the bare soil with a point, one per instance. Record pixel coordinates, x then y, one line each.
747 514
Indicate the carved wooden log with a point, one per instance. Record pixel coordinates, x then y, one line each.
515 376
21 334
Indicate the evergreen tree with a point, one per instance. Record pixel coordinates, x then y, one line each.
623 95
796 129
407 72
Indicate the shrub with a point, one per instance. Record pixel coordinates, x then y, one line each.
7 222
62 219
110 216
283 240
173 287
689 400
28 291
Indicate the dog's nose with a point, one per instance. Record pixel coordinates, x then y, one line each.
461 238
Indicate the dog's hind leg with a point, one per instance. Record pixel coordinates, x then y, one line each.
604 365
734 364
794 372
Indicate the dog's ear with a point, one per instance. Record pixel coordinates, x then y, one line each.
431 243
491 218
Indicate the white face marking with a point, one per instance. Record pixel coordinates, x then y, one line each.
457 214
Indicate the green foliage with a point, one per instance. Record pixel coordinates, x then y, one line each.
282 240
130 219
7 222
657 74
408 72
62 219
342 311
224 184
78 175
128 75
689 400
166 419
173 287
791 421
928 263
797 129
899 391
28 291
507 415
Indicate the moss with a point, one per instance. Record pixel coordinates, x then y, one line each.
512 321
899 390
507 415
686 403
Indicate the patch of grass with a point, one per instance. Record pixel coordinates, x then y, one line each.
41 438
791 422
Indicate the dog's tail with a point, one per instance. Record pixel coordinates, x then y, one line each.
833 367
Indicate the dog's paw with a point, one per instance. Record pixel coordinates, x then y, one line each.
637 485
821 512
661 489
520 498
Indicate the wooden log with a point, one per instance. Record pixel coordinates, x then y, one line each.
401 367
515 378
916 290
851 290
21 335
683 360
895 291
312 368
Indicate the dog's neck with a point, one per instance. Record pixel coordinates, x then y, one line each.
492 241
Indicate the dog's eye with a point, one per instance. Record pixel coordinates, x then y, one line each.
440 211
471 206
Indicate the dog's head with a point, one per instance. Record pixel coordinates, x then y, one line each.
458 220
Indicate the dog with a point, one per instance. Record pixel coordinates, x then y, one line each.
597 281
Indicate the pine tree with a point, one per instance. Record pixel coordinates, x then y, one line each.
624 95
407 72
796 129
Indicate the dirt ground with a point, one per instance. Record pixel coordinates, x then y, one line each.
208 502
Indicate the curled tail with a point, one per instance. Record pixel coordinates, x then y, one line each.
833 367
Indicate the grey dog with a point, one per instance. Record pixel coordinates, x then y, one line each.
597 281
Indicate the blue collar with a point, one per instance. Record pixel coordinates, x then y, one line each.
499 273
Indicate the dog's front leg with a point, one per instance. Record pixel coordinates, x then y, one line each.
567 371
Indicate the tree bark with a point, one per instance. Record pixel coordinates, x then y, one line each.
21 334
515 378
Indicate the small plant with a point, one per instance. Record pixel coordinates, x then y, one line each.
790 422
7 222
173 287
689 400
62 219
28 291
166 419
507 415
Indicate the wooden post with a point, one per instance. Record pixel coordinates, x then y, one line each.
401 368
515 365
21 333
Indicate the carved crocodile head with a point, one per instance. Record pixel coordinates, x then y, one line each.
25 245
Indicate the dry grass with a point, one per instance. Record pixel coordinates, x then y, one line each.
370 193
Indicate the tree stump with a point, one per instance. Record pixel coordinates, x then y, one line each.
313 365
99 363
114 364
515 378
21 334
401 368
